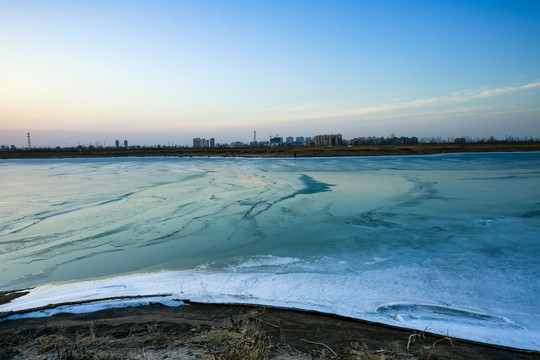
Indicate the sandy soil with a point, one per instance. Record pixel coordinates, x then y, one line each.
216 331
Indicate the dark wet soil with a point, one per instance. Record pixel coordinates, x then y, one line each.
215 331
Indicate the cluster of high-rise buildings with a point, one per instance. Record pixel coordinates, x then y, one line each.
117 144
276 141
7 148
377 141
328 140
317 140
204 143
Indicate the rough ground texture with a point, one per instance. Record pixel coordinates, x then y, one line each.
204 331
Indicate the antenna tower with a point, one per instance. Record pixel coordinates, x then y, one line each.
29 146
255 136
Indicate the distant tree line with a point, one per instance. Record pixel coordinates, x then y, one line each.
393 140
478 140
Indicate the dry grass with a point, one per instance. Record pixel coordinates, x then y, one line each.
393 352
60 346
240 339
426 349
245 335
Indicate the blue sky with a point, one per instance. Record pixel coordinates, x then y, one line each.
160 72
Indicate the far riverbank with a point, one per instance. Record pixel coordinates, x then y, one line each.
277 152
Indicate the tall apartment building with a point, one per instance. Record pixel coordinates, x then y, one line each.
328 140
204 143
289 140
276 141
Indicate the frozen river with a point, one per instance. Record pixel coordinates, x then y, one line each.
446 242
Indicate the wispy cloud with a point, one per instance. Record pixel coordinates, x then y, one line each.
467 103
455 98
425 105
485 93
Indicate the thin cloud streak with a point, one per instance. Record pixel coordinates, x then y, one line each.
388 109
506 90
456 98
446 106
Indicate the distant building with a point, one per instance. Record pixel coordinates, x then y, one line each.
289 141
276 141
237 144
400 141
204 143
328 140
117 143
375 141
126 144
299 140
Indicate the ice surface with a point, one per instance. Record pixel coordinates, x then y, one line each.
447 242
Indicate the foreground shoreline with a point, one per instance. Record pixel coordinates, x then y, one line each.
197 330
282 152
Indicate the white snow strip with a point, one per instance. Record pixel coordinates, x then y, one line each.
99 305
325 293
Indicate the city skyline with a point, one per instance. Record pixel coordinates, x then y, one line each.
321 140
167 72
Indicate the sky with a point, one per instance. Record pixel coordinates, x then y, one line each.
164 72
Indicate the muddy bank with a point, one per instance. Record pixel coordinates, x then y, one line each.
215 331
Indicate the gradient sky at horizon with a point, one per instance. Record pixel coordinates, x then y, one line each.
163 72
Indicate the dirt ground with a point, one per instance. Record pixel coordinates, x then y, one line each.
216 331
277 152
